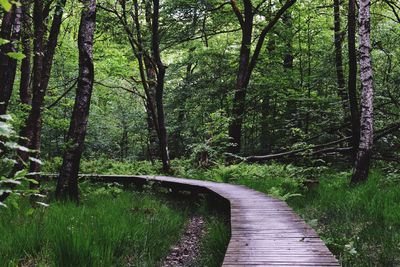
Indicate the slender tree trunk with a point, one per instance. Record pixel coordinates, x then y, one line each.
364 153
339 59
162 131
67 186
42 63
150 105
25 93
10 30
352 82
235 128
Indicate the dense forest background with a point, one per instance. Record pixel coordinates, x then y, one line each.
292 99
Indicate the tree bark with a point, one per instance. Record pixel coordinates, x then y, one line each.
162 131
235 127
338 38
25 93
10 30
67 186
364 153
352 82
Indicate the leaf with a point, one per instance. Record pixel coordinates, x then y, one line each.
5 4
38 161
3 205
14 145
5 117
43 204
3 41
30 212
39 195
20 174
16 55
11 181
5 129
33 181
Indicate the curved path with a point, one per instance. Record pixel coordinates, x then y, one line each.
264 231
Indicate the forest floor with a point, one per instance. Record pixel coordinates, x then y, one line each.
185 252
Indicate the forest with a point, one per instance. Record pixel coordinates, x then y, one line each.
298 100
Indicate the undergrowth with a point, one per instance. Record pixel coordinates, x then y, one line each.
110 228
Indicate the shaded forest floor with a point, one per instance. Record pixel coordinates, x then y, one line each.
360 225
111 227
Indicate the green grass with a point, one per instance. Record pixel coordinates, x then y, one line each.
214 243
109 228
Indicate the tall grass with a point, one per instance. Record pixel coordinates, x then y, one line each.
214 243
121 229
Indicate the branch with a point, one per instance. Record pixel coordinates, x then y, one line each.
319 149
218 7
393 7
264 32
135 92
63 95
237 12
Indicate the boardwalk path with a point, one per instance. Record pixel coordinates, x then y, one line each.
264 231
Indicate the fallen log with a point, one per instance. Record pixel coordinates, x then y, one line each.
317 149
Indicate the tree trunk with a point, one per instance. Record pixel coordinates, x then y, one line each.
10 30
24 88
150 105
67 186
162 131
42 63
338 38
352 82
235 128
363 159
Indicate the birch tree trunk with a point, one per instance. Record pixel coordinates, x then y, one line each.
67 186
363 159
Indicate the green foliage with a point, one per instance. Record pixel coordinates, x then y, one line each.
360 224
213 244
16 55
5 4
13 183
216 142
110 228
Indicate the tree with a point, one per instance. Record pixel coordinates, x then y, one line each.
364 153
42 63
338 39
151 68
67 186
352 82
26 36
10 31
247 62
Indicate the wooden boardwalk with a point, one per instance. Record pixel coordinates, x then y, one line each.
264 231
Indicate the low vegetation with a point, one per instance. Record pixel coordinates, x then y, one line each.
111 227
